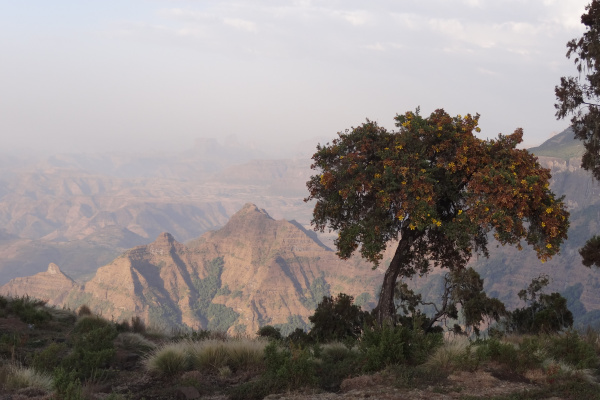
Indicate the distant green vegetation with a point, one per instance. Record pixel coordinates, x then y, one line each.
318 289
216 317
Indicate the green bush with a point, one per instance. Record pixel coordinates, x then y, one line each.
390 345
572 349
338 362
338 319
49 358
545 313
29 310
518 357
93 346
270 332
287 368
67 385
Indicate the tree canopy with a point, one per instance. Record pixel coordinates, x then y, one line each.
437 189
580 96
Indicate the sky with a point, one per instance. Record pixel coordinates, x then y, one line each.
154 75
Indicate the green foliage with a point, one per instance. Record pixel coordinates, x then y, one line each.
93 346
337 362
437 188
291 367
338 319
49 358
169 360
363 299
287 369
67 384
294 322
572 349
269 332
29 310
389 345
545 313
318 289
217 317
590 253
580 96
220 317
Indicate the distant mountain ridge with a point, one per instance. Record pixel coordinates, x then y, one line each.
253 271
87 223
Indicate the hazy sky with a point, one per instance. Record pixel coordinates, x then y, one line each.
151 74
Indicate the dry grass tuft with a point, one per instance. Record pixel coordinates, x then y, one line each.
18 377
447 357
134 342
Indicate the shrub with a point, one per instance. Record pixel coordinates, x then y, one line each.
286 369
49 358
572 349
337 319
138 325
390 345
168 360
93 346
29 310
67 384
544 314
269 331
291 367
338 362
134 342
449 356
84 310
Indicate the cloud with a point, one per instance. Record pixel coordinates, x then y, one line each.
240 24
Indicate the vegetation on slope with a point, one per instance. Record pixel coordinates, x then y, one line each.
59 354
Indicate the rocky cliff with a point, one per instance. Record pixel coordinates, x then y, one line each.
254 271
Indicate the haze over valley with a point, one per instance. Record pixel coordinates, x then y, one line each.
170 222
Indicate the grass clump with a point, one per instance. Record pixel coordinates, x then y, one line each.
134 342
169 360
211 356
19 377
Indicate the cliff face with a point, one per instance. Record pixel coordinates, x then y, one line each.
253 271
51 285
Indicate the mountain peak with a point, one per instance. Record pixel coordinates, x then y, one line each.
164 238
53 269
252 208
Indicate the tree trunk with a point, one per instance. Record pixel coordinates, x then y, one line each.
386 310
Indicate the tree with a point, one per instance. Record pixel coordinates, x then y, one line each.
436 189
337 319
580 96
546 313
463 291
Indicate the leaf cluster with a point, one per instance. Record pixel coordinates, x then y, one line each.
435 180
580 96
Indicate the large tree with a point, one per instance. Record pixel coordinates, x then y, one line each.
436 190
580 96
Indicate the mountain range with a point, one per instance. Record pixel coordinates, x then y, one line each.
253 271
233 266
